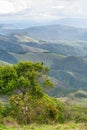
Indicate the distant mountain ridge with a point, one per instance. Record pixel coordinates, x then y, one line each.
55 32
74 22
48 32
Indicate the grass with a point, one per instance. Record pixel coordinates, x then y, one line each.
81 102
66 126
77 101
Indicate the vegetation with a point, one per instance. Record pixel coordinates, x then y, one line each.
24 86
66 126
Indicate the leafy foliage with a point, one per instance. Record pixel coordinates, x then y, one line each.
23 84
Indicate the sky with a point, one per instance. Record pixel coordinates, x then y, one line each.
42 9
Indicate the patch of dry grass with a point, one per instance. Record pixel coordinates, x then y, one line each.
66 126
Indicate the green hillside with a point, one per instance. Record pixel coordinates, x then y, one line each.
64 71
66 47
7 57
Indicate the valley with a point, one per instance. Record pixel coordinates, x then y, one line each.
63 49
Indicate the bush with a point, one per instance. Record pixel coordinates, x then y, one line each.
1 112
78 113
9 121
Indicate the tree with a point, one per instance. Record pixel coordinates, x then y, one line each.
23 82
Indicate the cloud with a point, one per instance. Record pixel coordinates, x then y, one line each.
20 5
13 6
46 9
6 7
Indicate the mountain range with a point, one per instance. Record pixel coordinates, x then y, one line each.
62 48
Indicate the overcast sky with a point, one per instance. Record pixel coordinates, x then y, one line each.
43 9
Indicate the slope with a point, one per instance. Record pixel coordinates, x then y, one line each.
55 32
69 73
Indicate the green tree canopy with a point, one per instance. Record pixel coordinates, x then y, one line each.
23 77
22 82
